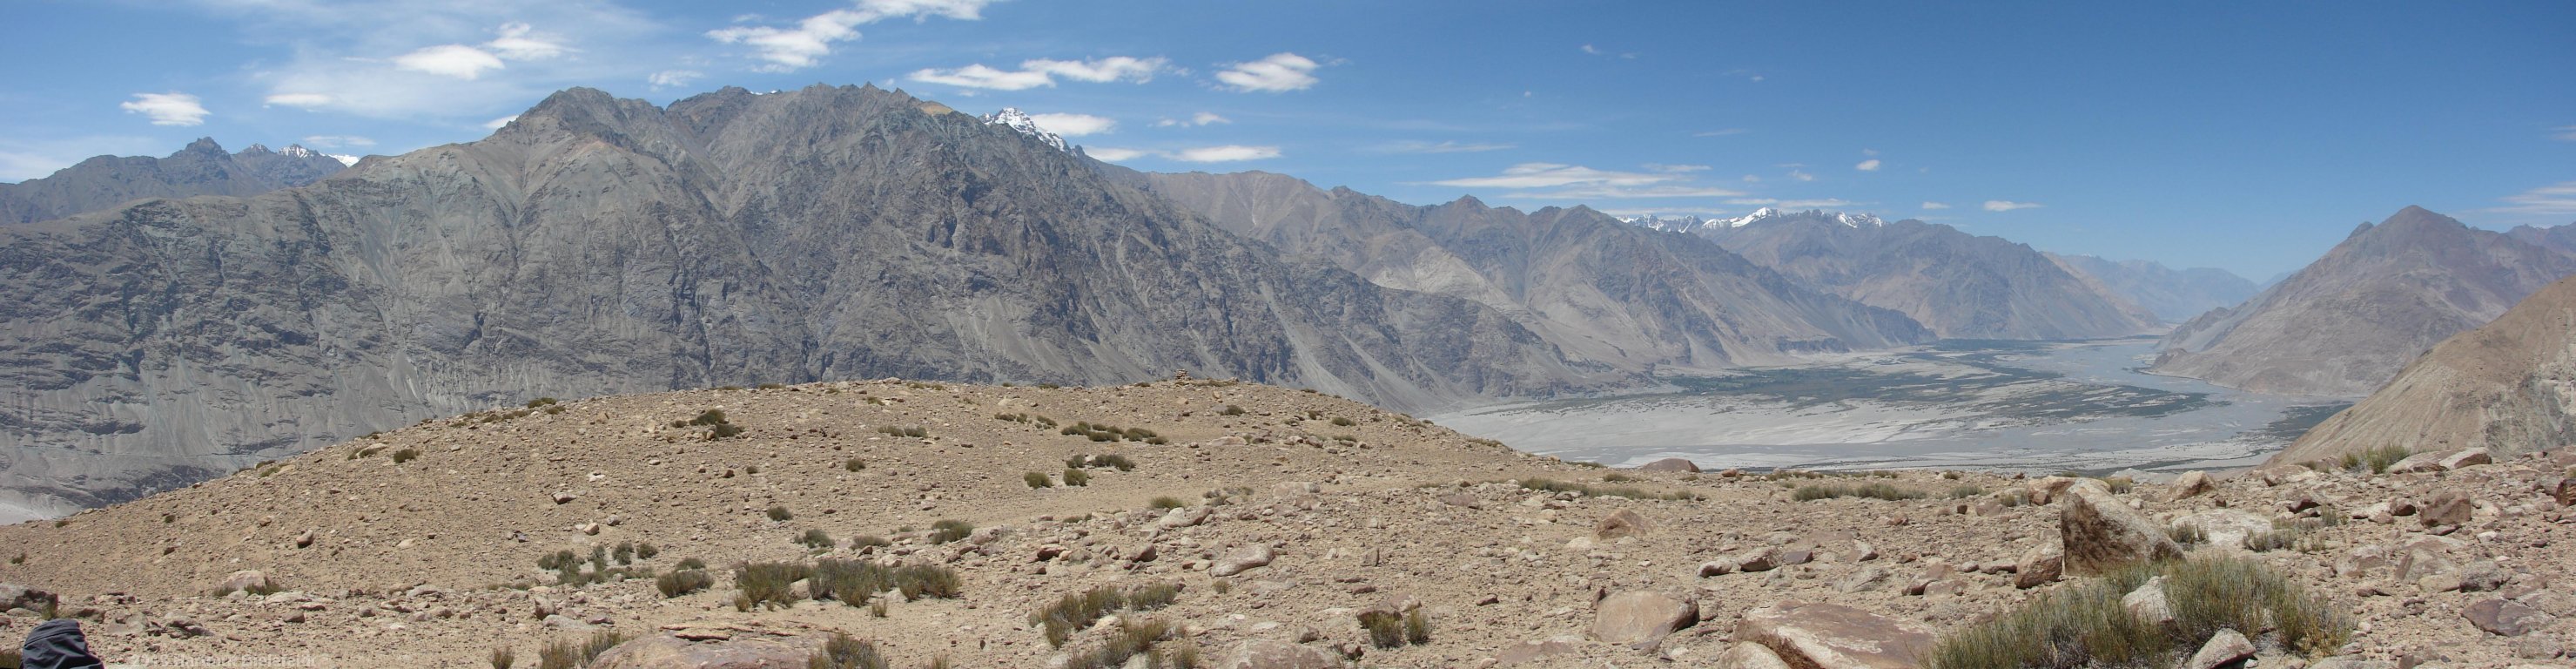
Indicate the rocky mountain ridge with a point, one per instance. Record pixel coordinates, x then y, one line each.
598 245
2348 322
2172 295
2507 387
202 168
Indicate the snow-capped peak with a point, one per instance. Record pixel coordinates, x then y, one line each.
1847 219
1020 121
1758 214
298 151
256 148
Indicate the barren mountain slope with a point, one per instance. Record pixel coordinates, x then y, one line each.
1599 289
599 245
2172 295
2508 387
421 547
2350 320
1959 285
203 168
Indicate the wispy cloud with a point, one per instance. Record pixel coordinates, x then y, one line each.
1870 165
336 141
805 44
1074 125
2008 205
1801 175
1935 206
1627 192
1278 73
173 108
1561 181
672 78
1204 154
2565 133
1451 146
1043 72
2558 199
1660 167
449 60
499 123
1201 118
1719 132
304 100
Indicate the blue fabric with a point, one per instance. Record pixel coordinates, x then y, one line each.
58 644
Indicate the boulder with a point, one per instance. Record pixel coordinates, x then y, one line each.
2224 648
2192 483
1182 517
2418 464
662 651
2478 576
1748 655
2467 458
1621 523
1535 650
2450 508
2100 532
2039 567
1671 465
2045 490
1268 654
248 580
2148 603
2225 527
2505 617
1832 636
15 596
1640 618
1251 557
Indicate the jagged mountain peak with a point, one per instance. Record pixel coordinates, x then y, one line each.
1013 118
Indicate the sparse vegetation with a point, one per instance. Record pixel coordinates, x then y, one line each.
559 654
780 513
855 582
854 464
683 582
1964 491
1076 477
691 563
1111 433
946 531
501 658
765 584
1153 596
843 652
600 642
867 541
2187 535
2376 460
1881 491
1040 480
916 432
815 539
1385 629
1166 502
1232 410
646 551
1630 492
541 401
2085 625
1344 422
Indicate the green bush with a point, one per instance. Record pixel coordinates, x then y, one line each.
2084 625
1630 492
765 584
815 539
406 455
600 642
780 514
854 464
946 531
1167 502
916 431
1074 613
1040 480
1343 422
1880 491
843 652
559 654
692 563
1385 629
1232 410
865 541
541 401
1076 477
646 551
501 658
1965 491
1153 596
683 582
2376 460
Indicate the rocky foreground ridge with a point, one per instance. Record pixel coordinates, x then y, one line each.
1246 525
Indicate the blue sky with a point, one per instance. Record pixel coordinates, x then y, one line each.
2247 136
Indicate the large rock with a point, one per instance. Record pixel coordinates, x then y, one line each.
1534 650
2505 617
2450 508
2467 458
1641 618
2100 533
2148 602
1268 654
1832 636
1251 557
15 596
2225 527
1671 465
1621 523
2224 648
2192 483
2039 567
661 651
247 580
1749 655
2419 463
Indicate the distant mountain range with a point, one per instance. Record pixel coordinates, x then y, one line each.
598 245
1958 285
2349 321
2508 386
2172 295
203 168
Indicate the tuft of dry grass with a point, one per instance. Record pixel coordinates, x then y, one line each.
2084 625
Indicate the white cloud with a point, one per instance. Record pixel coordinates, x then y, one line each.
499 123
336 141
2558 199
1279 73
1588 49
1201 118
1451 146
1225 154
1114 155
1615 192
519 41
304 100
1801 175
1659 167
2008 205
449 60
2564 132
1042 72
1870 165
1935 205
1553 175
171 108
806 44
672 78
1719 133
1074 125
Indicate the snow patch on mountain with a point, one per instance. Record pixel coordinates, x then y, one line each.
1020 121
